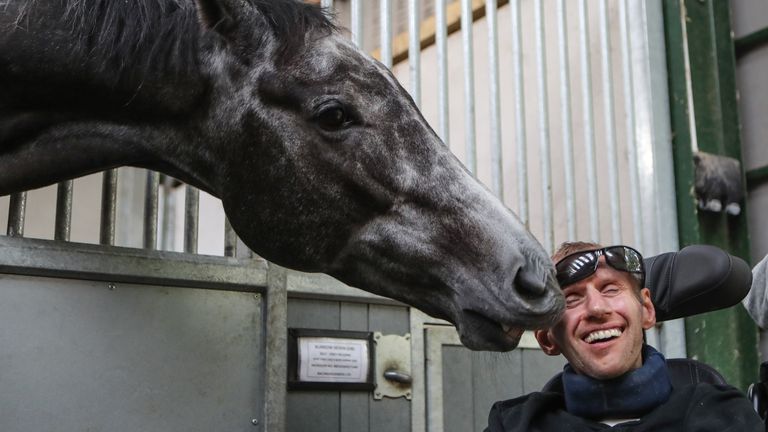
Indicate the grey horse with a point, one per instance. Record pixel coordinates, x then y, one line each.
321 159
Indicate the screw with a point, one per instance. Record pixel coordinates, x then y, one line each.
254 422
111 286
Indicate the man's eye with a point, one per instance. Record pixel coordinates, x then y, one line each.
572 299
611 290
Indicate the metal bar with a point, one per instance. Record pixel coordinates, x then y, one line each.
385 9
544 144
521 145
108 207
274 360
654 145
469 86
168 231
151 210
414 49
565 118
629 120
356 22
756 177
441 40
609 123
497 179
588 121
750 42
16 211
191 219
230 239
129 265
63 224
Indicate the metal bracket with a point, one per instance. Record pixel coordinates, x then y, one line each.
393 366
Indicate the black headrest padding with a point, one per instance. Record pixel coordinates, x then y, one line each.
698 279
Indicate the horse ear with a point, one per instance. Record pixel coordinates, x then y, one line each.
222 16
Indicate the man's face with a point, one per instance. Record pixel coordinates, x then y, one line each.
601 332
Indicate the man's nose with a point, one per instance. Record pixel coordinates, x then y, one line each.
597 305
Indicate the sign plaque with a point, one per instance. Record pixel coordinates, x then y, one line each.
330 359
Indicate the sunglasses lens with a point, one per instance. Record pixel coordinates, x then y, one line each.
624 258
576 267
581 265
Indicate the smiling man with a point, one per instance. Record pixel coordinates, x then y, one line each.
613 379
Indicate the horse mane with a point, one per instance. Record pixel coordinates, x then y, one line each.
143 35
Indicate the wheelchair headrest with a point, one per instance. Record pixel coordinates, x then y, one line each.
697 279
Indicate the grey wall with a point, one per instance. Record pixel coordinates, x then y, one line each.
752 81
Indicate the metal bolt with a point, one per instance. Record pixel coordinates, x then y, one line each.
255 422
111 286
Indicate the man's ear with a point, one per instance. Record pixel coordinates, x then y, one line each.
649 311
547 342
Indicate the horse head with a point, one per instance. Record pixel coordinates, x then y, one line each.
323 164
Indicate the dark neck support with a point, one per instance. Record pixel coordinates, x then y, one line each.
630 395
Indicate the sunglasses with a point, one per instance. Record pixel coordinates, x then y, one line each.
580 265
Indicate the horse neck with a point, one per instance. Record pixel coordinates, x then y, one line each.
69 91
132 57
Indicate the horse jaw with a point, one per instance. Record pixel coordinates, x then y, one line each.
491 283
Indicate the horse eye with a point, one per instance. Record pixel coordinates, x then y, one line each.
332 118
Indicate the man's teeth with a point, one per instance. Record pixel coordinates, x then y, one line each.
602 334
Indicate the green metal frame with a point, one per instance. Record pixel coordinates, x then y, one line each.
751 42
756 177
701 63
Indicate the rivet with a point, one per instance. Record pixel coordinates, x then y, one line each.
111 286
254 422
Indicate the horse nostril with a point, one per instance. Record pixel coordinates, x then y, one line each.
531 283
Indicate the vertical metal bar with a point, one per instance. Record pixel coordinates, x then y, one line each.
17 209
414 49
230 239
385 9
609 123
151 210
191 221
521 145
275 322
544 144
63 223
441 40
565 118
629 121
168 231
108 207
469 86
497 180
588 121
654 145
356 22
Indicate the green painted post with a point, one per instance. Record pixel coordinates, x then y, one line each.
700 59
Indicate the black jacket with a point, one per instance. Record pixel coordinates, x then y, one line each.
698 407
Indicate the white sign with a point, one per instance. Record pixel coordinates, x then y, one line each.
325 359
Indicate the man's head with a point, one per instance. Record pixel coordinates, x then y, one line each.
601 331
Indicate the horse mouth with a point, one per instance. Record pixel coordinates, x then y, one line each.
480 333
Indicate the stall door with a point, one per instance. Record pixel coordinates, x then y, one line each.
462 384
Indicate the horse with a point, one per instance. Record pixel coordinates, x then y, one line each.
321 159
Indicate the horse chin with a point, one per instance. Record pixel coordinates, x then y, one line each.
479 333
